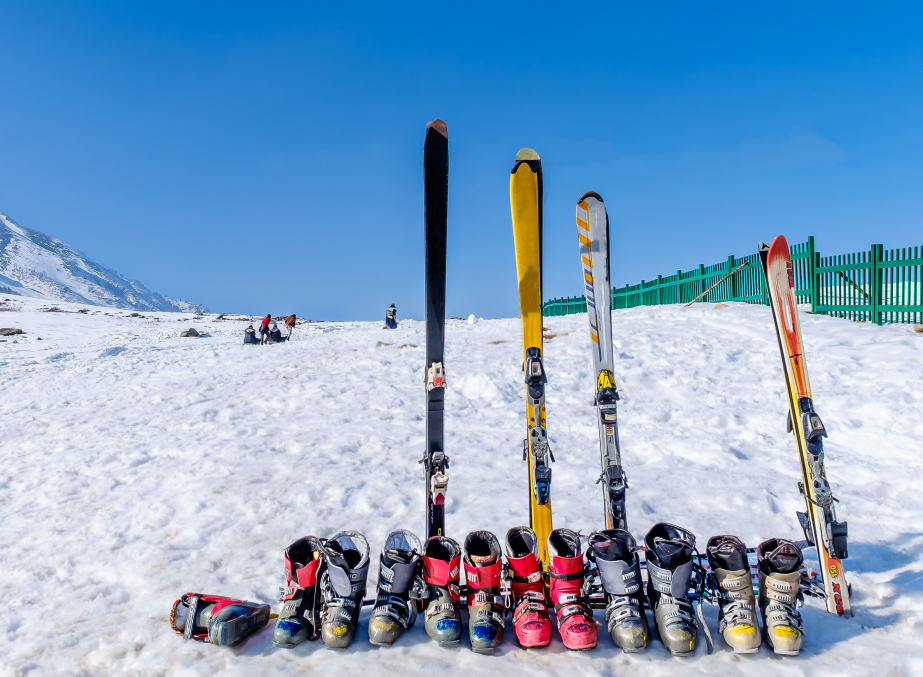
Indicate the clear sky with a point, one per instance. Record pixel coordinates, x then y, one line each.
267 157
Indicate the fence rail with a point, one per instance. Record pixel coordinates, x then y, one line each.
879 285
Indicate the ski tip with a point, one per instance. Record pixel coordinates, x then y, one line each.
589 194
763 247
439 126
527 155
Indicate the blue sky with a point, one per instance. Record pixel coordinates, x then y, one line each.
267 157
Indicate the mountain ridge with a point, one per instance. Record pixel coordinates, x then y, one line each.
38 265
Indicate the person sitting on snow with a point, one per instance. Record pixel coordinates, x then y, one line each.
250 336
391 317
275 336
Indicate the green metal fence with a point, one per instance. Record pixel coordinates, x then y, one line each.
879 285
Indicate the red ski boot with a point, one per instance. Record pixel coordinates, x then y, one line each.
530 614
575 618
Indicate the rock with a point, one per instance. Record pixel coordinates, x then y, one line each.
133 315
9 331
189 333
918 328
721 306
472 319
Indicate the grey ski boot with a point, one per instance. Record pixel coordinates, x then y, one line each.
342 583
615 553
737 623
400 585
669 569
222 621
780 595
300 616
441 566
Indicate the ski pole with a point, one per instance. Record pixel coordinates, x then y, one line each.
715 285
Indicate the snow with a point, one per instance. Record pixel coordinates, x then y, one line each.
36 265
136 465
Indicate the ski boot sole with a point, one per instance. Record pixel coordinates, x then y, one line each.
456 642
484 652
746 651
236 630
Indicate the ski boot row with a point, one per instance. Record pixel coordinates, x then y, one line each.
326 584
674 577
779 563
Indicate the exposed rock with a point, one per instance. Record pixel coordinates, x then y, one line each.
9 331
721 306
189 333
918 328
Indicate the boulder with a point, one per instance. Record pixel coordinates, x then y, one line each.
721 306
189 333
9 331
917 328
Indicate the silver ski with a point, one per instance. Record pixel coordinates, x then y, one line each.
593 234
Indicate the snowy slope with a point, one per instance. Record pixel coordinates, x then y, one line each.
36 265
136 465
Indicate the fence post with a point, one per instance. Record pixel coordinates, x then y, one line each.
659 282
733 285
875 282
812 274
701 279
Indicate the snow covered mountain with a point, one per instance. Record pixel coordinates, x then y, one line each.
37 265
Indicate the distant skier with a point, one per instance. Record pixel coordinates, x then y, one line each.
264 328
289 326
391 317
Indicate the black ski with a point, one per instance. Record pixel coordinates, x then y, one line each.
435 208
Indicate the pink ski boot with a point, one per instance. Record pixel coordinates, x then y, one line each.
575 618
530 614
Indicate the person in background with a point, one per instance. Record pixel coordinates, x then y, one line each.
275 336
391 317
250 335
289 326
264 328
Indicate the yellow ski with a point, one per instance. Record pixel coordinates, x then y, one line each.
526 208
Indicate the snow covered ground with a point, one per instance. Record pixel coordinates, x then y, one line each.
136 465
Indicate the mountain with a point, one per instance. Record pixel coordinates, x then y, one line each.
37 265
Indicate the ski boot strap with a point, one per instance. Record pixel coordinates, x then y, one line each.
440 572
619 577
484 577
673 583
392 607
570 605
397 577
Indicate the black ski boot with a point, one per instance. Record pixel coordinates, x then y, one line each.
300 619
441 565
615 553
669 570
342 584
400 585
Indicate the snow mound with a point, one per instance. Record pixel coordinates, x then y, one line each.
33 264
